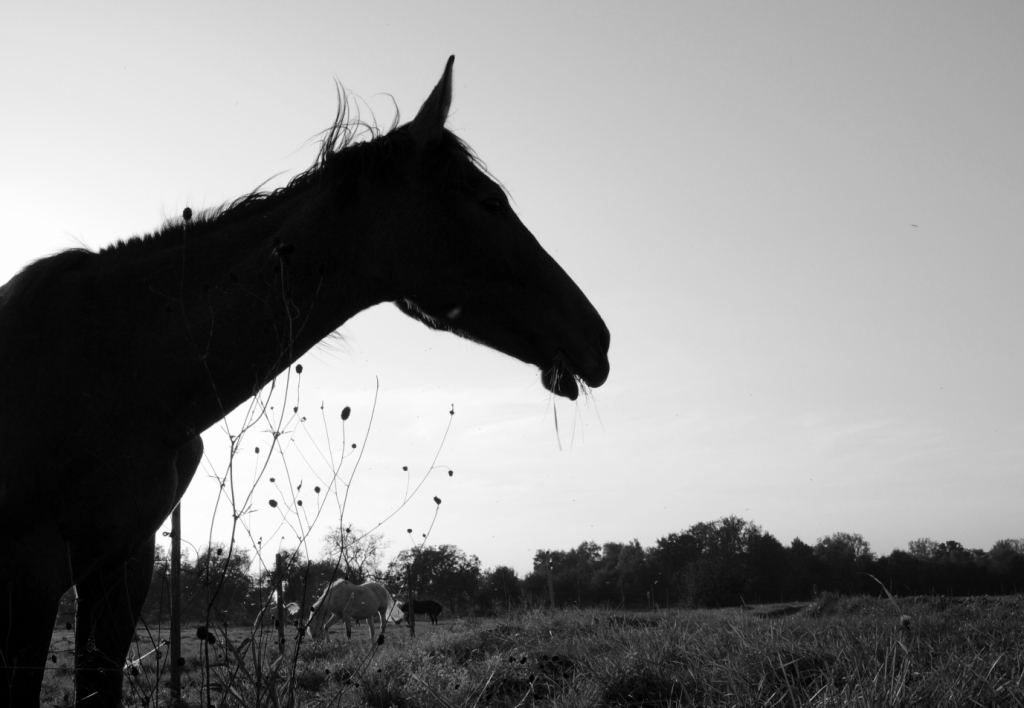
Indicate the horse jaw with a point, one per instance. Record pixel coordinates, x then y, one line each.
562 373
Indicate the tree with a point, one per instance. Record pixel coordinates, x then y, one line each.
623 571
359 555
847 555
440 572
766 569
1006 563
923 548
728 537
219 585
499 590
804 572
721 574
574 575
670 557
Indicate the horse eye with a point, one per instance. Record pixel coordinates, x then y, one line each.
494 205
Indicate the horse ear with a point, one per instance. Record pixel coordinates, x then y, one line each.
429 122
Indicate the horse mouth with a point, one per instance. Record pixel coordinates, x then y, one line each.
565 379
560 384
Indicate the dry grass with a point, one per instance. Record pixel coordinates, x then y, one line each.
841 652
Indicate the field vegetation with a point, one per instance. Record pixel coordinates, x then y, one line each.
681 623
837 651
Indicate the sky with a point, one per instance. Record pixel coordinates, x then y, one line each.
803 224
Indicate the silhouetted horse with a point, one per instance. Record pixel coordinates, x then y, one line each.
113 363
423 607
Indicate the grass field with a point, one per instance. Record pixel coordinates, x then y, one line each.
927 652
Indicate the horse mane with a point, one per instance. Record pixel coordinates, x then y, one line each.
349 145
37 275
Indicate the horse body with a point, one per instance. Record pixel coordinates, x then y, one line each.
346 601
113 363
430 608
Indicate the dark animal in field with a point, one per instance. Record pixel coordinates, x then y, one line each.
113 363
423 607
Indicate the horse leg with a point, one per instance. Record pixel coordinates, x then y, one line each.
325 632
29 600
109 605
27 612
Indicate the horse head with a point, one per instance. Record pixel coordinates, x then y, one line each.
465 263
313 627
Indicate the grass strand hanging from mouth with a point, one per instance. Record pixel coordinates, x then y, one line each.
558 435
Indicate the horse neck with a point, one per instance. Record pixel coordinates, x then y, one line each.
320 610
231 303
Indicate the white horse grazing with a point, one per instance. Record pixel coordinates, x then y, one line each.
347 601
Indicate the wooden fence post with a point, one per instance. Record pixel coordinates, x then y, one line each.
410 617
551 583
176 605
279 586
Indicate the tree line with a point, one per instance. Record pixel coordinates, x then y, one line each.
217 586
710 564
731 561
